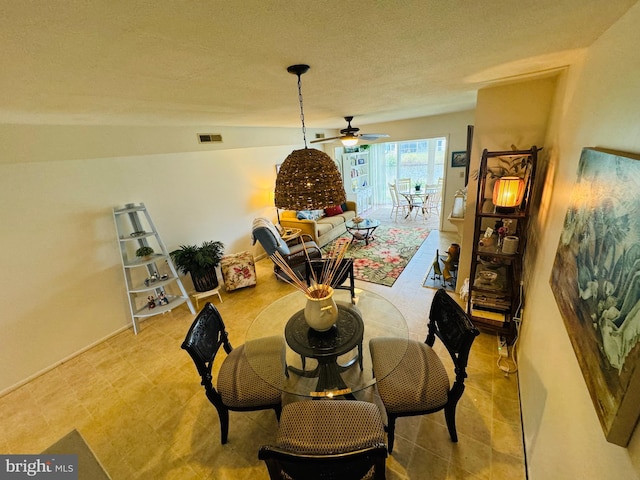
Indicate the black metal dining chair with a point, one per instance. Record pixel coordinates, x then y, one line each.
420 384
327 439
239 388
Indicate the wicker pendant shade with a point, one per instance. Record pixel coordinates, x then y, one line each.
308 180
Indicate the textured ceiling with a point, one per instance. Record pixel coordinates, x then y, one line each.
224 62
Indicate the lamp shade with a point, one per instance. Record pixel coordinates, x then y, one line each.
308 180
508 193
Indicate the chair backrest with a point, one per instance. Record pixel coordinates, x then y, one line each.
404 184
265 232
204 338
449 322
366 463
328 439
435 196
393 191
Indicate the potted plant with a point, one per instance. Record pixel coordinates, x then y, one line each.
144 252
418 185
201 262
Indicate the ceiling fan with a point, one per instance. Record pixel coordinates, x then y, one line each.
350 135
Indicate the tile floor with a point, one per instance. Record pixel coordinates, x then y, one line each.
138 403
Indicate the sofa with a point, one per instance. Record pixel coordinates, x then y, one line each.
326 227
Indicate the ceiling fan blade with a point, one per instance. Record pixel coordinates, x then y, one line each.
323 140
372 136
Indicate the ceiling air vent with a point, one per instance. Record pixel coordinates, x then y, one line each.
209 138
319 135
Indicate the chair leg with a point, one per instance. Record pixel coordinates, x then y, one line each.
223 414
352 287
391 431
450 417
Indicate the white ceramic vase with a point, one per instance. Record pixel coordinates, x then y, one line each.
321 311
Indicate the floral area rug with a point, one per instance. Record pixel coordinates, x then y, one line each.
384 259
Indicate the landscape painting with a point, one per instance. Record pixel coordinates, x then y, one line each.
596 283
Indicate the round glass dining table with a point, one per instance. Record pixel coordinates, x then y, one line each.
326 364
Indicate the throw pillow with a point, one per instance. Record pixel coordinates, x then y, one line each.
304 215
332 211
344 207
309 214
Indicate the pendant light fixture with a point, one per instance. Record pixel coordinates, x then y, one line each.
308 179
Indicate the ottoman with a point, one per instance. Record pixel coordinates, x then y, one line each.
238 270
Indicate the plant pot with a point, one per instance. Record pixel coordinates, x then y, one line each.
321 311
206 282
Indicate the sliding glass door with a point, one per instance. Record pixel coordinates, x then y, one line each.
422 161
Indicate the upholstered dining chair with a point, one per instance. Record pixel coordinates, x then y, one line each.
265 232
239 388
420 384
327 439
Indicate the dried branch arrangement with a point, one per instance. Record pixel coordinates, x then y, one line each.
333 268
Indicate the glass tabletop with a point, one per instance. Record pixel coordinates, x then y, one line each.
366 223
380 318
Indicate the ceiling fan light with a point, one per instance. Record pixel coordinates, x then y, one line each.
349 140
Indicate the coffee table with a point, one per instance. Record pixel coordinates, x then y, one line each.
362 230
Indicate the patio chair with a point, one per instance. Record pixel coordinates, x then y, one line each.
399 203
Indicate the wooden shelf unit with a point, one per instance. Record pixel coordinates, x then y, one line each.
495 297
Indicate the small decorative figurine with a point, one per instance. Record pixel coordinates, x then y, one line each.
151 302
451 262
162 299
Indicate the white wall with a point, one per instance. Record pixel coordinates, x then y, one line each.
62 287
513 114
62 284
563 437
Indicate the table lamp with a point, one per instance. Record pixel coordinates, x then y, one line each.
507 194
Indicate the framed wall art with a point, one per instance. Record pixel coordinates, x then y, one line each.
459 159
596 283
